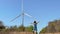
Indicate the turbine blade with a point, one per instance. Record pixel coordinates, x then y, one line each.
16 18
28 15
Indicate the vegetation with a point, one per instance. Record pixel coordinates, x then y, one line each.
21 28
43 30
15 28
29 28
1 26
52 27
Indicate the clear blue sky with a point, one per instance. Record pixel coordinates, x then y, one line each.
43 10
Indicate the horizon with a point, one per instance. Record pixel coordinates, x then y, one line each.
43 10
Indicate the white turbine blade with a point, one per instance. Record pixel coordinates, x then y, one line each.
28 15
16 18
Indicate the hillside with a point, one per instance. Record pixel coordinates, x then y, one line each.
53 27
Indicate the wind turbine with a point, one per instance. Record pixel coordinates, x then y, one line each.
22 14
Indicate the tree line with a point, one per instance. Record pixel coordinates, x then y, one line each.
15 28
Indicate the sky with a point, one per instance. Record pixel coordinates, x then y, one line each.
43 10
